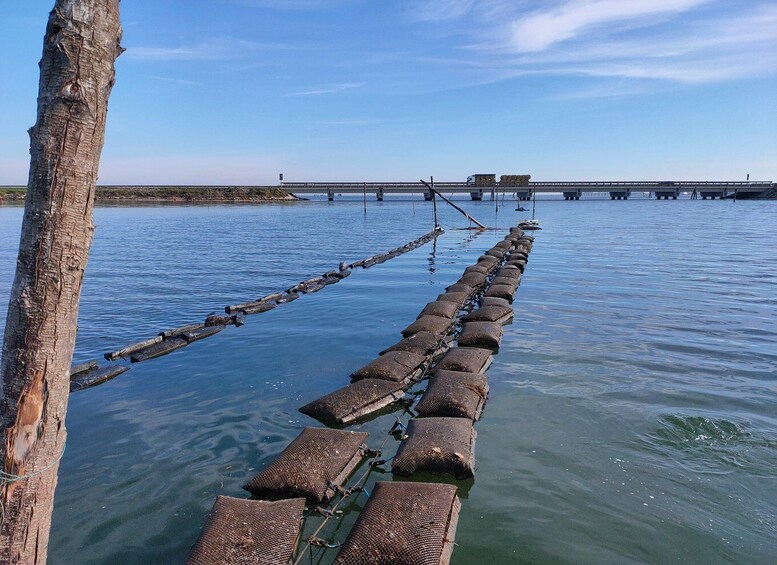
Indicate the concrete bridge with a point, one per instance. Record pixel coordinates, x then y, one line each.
572 190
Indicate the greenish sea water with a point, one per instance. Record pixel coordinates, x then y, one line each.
632 409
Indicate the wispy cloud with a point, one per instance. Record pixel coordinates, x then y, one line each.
677 41
441 10
333 89
348 123
212 50
174 80
286 4
542 29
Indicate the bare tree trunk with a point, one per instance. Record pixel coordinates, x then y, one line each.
76 76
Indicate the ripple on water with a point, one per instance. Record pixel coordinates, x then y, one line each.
704 444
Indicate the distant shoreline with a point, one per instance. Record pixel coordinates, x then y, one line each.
170 194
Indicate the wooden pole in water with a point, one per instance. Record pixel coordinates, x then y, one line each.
76 77
434 202
365 197
470 218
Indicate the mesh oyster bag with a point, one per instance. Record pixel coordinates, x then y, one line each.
481 334
465 360
310 466
397 366
455 395
441 308
437 445
421 343
435 325
506 291
354 401
242 531
458 298
490 313
404 523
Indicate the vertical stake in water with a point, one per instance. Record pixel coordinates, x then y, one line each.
364 186
434 205
534 202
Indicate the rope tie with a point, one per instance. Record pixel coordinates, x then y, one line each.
337 488
8 478
11 478
355 489
318 542
397 428
325 512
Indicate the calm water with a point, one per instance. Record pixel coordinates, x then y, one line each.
632 408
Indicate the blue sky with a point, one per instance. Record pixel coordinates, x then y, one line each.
236 91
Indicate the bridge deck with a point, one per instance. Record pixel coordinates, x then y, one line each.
540 187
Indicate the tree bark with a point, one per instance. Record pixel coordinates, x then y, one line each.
81 44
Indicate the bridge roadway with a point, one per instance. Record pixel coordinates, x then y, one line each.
572 190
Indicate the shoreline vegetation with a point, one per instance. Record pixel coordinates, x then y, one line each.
175 194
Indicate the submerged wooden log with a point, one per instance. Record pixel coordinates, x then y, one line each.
312 281
242 306
310 289
341 274
288 297
214 319
95 376
81 367
132 348
178 331
158 349
258 308
269 299
201 333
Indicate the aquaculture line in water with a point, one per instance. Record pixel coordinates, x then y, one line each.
90 373
402 522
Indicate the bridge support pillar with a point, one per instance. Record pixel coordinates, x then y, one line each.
379 194
428 195
620 194
666 194
330 195
477 194
525 194
572 194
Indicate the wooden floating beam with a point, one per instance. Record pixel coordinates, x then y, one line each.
201 333
258 307
96 376
132 348
178 331
158 349
81 367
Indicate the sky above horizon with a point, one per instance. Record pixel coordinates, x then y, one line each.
237 91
